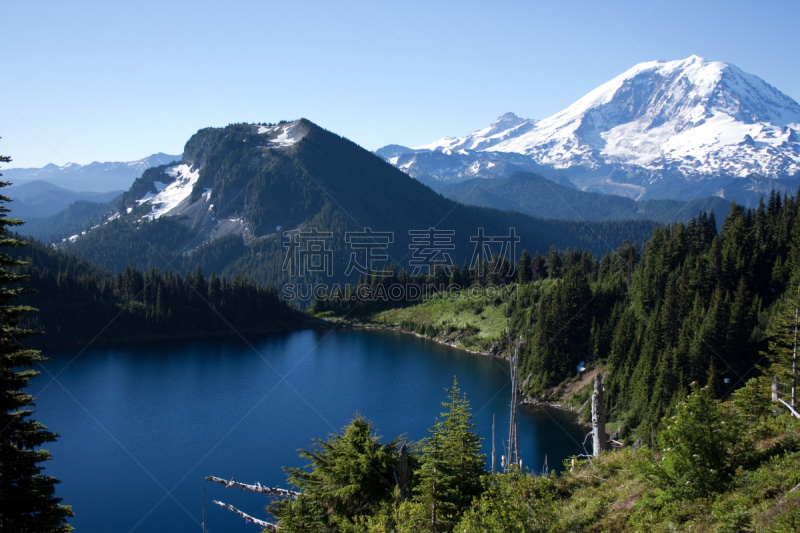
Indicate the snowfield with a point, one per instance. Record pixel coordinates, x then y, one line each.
174 193
282 135
697 116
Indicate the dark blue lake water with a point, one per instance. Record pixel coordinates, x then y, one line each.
141 427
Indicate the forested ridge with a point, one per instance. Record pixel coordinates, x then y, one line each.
78 302
323 182
692 305
533 194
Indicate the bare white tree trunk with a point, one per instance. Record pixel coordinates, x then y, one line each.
776 396
258 487
493 448
247 518
794 356
598 417
513 440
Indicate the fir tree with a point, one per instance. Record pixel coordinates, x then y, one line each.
351 476
524 273
436 490
27 501
538 267
554 263
451 464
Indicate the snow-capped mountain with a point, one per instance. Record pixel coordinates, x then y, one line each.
691 119
455 159
96 177
198 187
504 128
169 191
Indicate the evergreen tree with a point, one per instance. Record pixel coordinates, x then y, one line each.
462 447
451 465
538 267
696 445
524 273
351 476
435 492
27 501
554 263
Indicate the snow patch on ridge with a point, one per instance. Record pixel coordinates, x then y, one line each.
173 194
499 130
283 135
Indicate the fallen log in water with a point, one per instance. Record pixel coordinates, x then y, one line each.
258 487
248 518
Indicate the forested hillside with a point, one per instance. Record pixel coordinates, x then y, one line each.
536 196
78 217
695 307
78 302
257 190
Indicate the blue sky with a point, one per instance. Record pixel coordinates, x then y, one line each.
116 81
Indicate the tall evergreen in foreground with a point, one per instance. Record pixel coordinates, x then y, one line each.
27 502
350 476
451 465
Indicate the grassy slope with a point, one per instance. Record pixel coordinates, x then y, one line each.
613 494
474 323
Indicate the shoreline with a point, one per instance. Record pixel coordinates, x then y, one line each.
432 339
526 400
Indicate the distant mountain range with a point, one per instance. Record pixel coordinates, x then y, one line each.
226 205
94 177
77 218
663 129
39 199
532 194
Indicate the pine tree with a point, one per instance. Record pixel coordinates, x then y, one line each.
524 273
352 475
538 267
27 501
436 489
451 465
554 263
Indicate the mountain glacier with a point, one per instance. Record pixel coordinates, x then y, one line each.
689 120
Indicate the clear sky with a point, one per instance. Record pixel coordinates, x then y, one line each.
86 81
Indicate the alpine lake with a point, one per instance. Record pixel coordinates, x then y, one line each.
142 425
